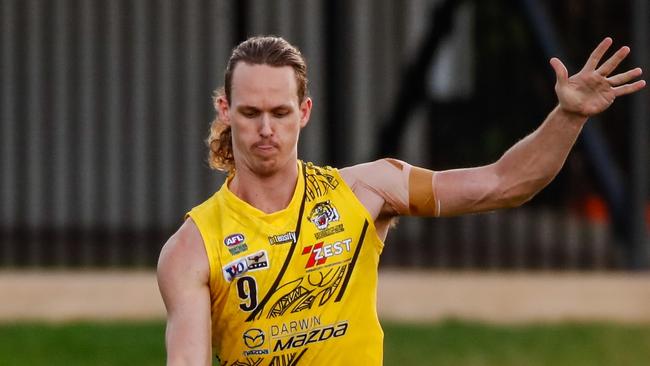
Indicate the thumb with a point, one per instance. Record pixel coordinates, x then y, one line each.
561 72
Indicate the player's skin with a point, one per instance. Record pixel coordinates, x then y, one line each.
266 118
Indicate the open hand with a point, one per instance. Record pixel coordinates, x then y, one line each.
592 90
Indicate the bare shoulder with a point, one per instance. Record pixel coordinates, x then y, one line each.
374 173
183 257
380 185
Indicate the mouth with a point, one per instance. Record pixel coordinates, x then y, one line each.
266 146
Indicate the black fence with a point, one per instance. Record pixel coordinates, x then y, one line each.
105 105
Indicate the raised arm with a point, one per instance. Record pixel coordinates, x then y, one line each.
533 162
183 277
389 187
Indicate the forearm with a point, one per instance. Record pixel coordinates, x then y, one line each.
185 350
532 163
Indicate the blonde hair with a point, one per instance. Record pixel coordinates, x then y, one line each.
265 50
220 142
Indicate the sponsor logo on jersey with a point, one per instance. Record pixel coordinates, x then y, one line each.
257 260
234 239
238 249
323 214
251 262
235 243
329 231
294 326
315 335
254 338
320 252
288 237
234 269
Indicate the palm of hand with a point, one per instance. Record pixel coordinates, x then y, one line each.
592 90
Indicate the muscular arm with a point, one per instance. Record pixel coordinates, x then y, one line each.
392 187
183 276
533 162
520 173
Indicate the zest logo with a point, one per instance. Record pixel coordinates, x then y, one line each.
319 252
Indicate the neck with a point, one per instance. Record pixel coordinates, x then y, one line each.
268 194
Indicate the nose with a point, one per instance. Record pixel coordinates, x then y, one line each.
265 126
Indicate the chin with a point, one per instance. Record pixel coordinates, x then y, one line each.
267 167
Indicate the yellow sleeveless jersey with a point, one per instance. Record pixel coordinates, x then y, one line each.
294 287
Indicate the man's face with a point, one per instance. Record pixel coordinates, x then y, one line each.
265 116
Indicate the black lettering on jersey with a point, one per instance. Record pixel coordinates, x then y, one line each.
312 336
281 347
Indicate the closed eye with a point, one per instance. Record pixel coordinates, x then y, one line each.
281 111
281 114
248 112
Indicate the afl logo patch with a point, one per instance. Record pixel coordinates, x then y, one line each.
234 239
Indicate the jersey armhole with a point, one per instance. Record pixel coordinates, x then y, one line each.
361 208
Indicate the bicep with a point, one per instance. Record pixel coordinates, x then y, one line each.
183 277
398 188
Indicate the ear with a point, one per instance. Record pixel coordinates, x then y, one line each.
223 109
305 111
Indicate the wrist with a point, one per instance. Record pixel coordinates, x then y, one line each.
570 117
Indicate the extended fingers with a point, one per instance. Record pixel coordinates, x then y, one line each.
597 54
629 88
623 78
612 63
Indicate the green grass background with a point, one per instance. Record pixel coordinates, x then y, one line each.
447 343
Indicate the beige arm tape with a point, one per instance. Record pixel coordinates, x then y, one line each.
421 183
422 196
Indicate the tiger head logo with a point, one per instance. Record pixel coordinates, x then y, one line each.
322 214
